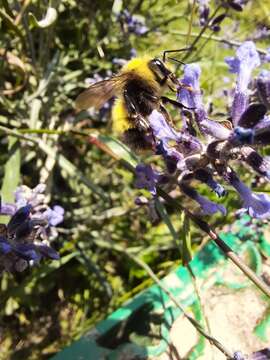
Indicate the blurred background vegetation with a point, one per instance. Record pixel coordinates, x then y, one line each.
44 65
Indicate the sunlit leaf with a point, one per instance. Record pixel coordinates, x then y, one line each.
47 21
12 170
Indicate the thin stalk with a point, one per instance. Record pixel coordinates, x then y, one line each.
190 22
215 38
193 44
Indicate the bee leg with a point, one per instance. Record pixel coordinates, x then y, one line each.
134 114
166 100
166 115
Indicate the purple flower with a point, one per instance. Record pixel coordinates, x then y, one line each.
25 239
5 247
241 136
172 145
258 205
24 195
267 56
203 11
256 161
134 23
264 123
238 356
7 209
191 99
215 129
245 61
146 178
55 215
263 87
162 129
207 178
208 207
261 354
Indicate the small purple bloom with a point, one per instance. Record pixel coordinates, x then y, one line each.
170 156
161 128
258 205
207 178
215 129
191 99
55 215
172 141
264 123
5 247
241 136
27 252
238 356
18 218
267 56
204 11
7 209
146 178
263 354
263 87
24 195
245 61
208 207
135 23
48 252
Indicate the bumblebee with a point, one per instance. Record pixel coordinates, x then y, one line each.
138 89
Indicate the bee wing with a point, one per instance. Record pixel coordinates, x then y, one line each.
97 94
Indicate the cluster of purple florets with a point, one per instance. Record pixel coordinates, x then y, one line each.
25 240
205 149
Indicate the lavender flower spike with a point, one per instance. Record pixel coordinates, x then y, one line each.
258 205
246 60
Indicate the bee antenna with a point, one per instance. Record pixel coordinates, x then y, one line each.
176 60
178 50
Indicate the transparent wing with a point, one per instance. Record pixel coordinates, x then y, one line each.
97 94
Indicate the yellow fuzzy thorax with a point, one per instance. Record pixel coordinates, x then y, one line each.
140 67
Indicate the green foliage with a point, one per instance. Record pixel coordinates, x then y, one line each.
46 53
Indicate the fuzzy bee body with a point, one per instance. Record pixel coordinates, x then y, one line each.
138 89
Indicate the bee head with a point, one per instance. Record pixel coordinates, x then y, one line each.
162 74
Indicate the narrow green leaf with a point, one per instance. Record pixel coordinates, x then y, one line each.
119 149
71 169
186 239
48 20
9 22
12 170
165 217
117 7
